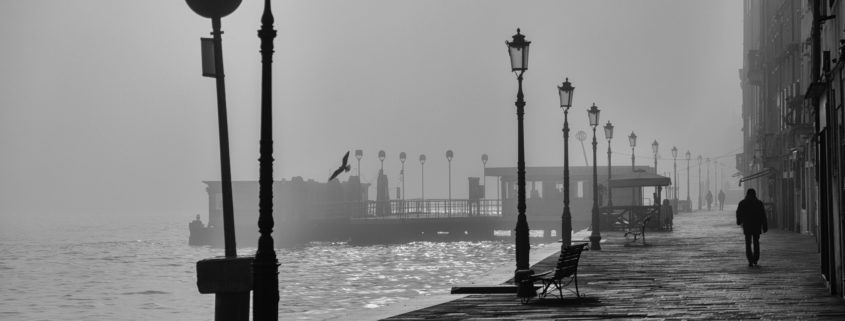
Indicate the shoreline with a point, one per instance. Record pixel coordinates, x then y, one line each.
497 275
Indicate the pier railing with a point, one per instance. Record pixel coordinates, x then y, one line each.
429 208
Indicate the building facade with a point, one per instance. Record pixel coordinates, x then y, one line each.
792 89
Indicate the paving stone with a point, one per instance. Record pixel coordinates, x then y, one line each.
696 272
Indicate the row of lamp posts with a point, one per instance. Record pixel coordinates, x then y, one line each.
359 154
518 52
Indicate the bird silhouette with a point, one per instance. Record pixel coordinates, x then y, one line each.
344 167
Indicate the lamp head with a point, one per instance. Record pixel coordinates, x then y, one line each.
518 51
632 140
593 114
213 8
565 91
608 131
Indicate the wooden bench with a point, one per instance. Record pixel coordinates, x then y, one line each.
641 228
565 272
486 289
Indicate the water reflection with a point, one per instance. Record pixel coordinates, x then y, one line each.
369 277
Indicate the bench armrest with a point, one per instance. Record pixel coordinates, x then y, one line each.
535 276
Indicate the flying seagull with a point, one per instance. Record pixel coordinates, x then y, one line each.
343 167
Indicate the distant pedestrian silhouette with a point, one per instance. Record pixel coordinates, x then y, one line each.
709 198
752 216
721 200
667 214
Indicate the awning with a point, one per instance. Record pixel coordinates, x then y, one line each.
764 172
643 179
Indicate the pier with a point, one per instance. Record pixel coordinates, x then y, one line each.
698 271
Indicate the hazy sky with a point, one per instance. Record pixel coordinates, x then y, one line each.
103 107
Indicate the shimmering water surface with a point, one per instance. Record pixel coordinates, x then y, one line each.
142 269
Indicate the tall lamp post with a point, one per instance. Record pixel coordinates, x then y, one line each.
231 297
699 182
688 155
484 174
215 11
518 52
708 179
565 92
675 177
654 147
632 140
402 157
266 266
595 236
608 134
358 155
422 176
449 156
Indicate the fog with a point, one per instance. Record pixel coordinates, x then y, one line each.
103 108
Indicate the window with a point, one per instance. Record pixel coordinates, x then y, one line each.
580 189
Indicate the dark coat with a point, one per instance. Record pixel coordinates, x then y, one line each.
752 216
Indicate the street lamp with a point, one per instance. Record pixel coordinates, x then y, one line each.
266 266
231 302
708 181
675 177
381 156
688 199
654 146
484 174
595 236
518 52
422 176
402 157
449 156
632 140
215 11
358 155
608 134
565 92
699 182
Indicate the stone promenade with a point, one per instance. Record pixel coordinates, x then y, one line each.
698 271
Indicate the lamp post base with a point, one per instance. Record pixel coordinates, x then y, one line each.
525 288
595 242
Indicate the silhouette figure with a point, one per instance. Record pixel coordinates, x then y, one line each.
752 216
344 167
709 198
721 200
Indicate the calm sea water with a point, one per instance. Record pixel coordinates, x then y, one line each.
107 268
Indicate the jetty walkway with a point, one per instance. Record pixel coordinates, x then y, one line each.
698 271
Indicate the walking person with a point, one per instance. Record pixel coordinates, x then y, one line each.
752 216
721 200
709 198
